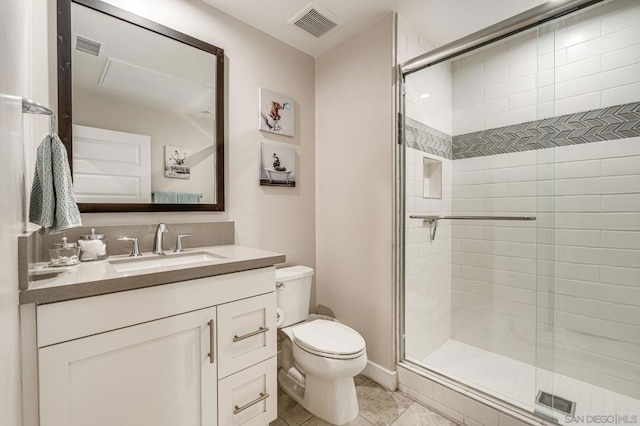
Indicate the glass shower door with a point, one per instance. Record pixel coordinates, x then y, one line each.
471 285
588 316
545 315
544 399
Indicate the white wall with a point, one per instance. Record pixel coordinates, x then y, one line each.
11 219
165 128
15 45
587 253
273 218
586 62
354 185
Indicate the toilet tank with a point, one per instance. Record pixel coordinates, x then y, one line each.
293 292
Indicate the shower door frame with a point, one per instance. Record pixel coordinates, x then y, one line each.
530 19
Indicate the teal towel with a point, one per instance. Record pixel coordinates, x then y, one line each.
188 198
53 203
162 197
165 197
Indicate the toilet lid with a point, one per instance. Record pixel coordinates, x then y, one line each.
328 337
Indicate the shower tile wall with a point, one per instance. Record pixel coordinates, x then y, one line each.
428 265
595 251
429 98
585 244
588 251
591 61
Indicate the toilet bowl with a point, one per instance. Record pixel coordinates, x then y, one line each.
320 356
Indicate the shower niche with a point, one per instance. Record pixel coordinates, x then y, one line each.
431 178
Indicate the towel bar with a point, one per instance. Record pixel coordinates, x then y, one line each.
200 194
433 220
30 107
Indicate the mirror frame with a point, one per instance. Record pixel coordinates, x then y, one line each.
65 106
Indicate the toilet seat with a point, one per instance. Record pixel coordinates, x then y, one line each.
329 339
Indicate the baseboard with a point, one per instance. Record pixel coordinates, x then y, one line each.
382 376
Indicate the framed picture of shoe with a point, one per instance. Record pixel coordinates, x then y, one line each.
277 113
277 165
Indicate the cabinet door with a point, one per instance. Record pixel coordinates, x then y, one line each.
249 397
153 374
246 333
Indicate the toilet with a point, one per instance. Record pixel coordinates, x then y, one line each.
320 356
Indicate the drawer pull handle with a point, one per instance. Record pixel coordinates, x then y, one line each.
211 342
261 330
262 397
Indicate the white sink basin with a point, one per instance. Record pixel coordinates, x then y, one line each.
143 262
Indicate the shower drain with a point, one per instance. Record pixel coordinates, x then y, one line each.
556 403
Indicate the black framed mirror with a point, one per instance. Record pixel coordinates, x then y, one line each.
141 112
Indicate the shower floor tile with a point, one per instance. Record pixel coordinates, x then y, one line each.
515 382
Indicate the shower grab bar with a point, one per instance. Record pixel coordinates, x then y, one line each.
433 220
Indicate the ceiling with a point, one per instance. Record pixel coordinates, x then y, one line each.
138 73
439 21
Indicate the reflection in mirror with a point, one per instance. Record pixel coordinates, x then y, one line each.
147 119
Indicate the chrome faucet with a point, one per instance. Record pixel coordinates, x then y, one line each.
157 242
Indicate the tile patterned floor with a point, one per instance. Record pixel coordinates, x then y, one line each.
378 407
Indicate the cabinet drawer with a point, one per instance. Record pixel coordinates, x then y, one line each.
246 333
249 397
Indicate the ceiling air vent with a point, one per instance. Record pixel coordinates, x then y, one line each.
315 20
88 46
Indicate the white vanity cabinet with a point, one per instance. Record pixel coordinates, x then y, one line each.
199 352
246 366
156 373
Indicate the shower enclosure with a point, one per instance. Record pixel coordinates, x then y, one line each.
521 210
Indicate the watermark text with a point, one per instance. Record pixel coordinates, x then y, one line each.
603 419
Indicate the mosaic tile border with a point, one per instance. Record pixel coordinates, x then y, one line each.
617 122
427 139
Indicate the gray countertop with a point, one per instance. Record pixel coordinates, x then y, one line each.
55 284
